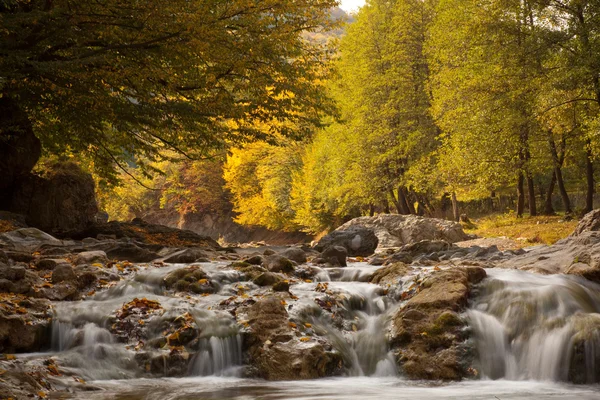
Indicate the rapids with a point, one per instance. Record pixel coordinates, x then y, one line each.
526 327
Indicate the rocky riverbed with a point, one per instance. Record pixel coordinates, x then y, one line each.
134 301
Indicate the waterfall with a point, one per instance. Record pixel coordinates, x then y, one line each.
534 327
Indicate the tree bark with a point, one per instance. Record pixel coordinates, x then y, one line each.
520 195
399 202
531 196
562 190
548 208
409 204
455 209
589 172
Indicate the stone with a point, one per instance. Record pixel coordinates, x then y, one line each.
130 252
12 273
425 247
60 201
277 263
427 332
394 230
357 240
589 223
295 254
281 286
62 273
267 279
27 331
255 260
185 256
335 255
48 264
28 239
391 274
91 257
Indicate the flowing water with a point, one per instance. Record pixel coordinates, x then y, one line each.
527 328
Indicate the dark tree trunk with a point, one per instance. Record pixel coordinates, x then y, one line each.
562 190
548 208
409 204
531 196
371 210
520 195
399 202
386 206
402 200
455 209
589 172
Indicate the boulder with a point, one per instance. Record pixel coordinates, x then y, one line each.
267 279
391 274
589 223
28 239
48 264
186 256
91 257
356 239
130 252
63 273
428 333
61 201
295 254
277 263
24 324
398 230
275 354
335 255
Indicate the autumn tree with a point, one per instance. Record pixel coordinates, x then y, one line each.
122 82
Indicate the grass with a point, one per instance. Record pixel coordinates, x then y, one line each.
526 231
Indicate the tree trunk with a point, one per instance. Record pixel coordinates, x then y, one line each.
520 195
403 200
548 208
409 204
371 210
399 202
531 196
455 210
562 190
589 172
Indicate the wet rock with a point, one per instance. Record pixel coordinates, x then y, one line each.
267 279
12 273
295 254
428 334
24 324
277 263
255 260
586 338
281 286
91 257
356 239
589 223
426 246
391 274
63 273
190 279
335 255
268 252
251 272
130 252
18 280
397 230
186 256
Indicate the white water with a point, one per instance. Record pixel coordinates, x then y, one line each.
529 326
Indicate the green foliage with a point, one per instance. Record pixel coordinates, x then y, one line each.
121 82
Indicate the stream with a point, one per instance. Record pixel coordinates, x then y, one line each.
532 333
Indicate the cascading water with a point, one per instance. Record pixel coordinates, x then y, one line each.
529 326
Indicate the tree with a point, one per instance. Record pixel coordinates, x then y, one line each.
121 82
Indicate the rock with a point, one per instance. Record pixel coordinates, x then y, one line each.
185 256
251 272
192 279
130 252
425 247
589 223
62 201
275 354
63 273
255 260
3 257
268 252
397 230
281 286
335 255
428 333
391 274
91 257
295 254
587 327
20 148
267 279
24 324
28 239
356 239
12 273
48 264
277 263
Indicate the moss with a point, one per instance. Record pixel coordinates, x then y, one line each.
181 285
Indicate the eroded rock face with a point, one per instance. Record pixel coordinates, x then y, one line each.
60 202
275 353
428 331
589 223
356 239
397 230
24 324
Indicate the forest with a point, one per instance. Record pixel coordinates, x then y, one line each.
430 106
